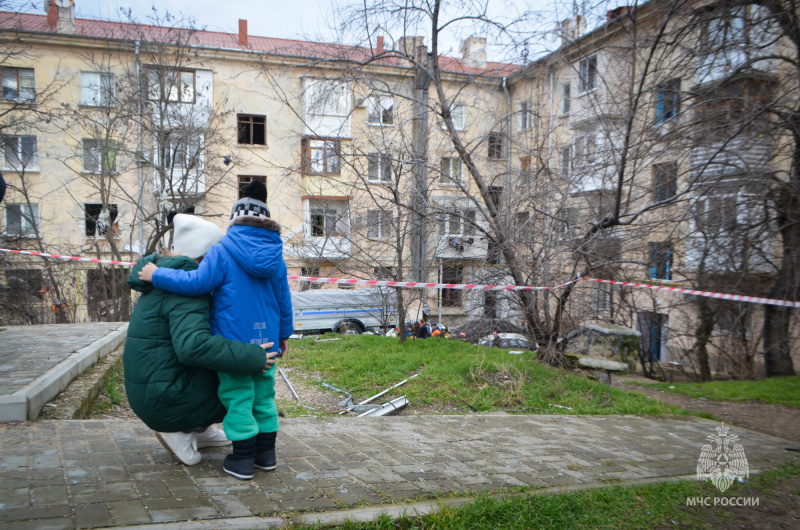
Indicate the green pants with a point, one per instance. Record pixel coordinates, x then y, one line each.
250 401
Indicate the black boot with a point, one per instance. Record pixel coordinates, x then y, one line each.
265 451
241 464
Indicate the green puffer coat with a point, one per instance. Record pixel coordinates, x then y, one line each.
171 358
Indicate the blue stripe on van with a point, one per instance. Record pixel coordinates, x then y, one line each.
302 313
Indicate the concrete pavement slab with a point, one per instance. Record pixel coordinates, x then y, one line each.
48 474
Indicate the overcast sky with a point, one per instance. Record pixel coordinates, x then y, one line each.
314 19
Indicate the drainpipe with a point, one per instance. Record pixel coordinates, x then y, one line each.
508 152
139 152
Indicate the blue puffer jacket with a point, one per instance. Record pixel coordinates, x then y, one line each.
247 276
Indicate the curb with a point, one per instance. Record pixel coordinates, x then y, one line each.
27 403
369 514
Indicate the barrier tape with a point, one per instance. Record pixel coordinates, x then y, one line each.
419 285
707 294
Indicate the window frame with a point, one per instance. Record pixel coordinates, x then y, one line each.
587 74
162 72
466 218
374 105
453 163
91 213
382 163
565 161
27 230
251 126
242 184
665 189
668 101
110 154
379 224
566 99
583 156
306 147
525 115
310 272
33 162
495 146
324 209
108 89
458 113
5 71
659 249
452 297
339 90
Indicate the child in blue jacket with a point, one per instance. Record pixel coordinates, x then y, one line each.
251 303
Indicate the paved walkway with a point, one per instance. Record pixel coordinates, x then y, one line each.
92 473
38 362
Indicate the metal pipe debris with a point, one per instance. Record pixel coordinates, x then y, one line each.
388 389
288 384
387 408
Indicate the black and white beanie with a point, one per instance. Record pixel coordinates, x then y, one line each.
253 203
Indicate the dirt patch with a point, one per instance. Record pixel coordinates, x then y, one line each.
776 420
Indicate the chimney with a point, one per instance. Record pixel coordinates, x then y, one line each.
410 46
379 49
473 52
61 14
613 14
242 32
571 30
52 12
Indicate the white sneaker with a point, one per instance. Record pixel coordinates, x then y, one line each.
211 437
181 446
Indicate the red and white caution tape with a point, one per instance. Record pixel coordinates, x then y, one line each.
419 285
708 294
73 258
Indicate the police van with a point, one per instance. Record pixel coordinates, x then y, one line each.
343 310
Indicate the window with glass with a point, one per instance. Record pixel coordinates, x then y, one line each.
379 168
251 129
96 222
22 220
321 156
19 152
458 113
668 101
97 89
169 85
327 98
17 84
565 98
525 115
565 155
495 141
665 181
379 224
588 74
181 151
451 171
661 260
380 110
96 153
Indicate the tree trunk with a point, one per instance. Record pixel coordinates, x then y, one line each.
705 327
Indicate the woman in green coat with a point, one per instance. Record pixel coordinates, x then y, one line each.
171 357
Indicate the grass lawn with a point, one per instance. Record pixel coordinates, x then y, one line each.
778 390
645 506
457 377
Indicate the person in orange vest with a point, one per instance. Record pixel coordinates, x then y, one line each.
435 331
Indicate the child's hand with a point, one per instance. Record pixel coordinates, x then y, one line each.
146 274
284 346
270 357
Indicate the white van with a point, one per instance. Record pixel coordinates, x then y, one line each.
343 311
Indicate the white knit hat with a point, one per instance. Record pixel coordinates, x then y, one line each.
193 236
